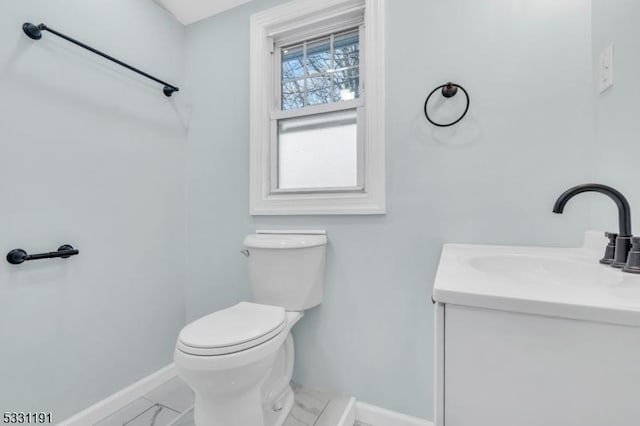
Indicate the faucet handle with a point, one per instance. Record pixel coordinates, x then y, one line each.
633 260
609 251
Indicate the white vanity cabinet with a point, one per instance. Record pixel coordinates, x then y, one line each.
535 337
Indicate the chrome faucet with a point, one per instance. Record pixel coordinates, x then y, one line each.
616 256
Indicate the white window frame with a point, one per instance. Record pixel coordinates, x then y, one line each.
288 23
356 104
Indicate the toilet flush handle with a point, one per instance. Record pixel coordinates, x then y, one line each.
245 252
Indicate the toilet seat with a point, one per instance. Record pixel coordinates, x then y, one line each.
231 330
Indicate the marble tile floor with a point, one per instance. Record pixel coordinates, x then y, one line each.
171 404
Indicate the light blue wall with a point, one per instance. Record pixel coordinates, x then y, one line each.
617 109
492 179
99 157
94 156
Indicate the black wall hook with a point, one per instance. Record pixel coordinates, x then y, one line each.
448 90
18 256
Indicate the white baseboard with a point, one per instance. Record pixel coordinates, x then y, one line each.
348 418
113 403
355 410
376 416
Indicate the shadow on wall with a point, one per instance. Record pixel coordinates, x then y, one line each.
464 134
24 55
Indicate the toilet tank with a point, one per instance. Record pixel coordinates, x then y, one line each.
287 269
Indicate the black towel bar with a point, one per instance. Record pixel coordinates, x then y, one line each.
17 256
34 32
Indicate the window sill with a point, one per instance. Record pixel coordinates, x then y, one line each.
318 204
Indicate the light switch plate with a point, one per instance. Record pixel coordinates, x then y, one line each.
605 72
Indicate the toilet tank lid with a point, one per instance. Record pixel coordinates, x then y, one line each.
284 241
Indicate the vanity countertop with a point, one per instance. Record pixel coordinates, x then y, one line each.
558 282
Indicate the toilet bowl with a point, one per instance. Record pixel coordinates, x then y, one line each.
240 376
239 360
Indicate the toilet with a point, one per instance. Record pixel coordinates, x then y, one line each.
239 360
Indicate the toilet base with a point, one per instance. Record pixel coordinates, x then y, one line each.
239 410
277 418
257 393
207 414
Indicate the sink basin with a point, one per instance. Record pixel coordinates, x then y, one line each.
540 270
562 282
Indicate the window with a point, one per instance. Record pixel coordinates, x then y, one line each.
318 149
317 123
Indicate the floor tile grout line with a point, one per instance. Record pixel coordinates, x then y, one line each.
163 404
320 415
181 416
155 404
138 415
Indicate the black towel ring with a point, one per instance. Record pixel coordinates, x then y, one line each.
448 90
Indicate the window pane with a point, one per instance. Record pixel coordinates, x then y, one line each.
347 72
319 56
346 85
318 151
346 50
292 62
292 94
318 90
